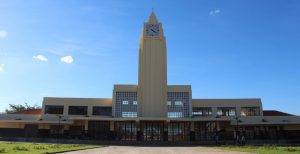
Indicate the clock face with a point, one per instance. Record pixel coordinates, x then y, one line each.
152 29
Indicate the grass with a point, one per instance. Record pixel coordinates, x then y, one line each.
35 148
266 149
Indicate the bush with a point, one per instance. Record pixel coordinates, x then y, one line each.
54 146
20 148
2 150
269 146
39 147
291 149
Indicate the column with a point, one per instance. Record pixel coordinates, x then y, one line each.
214 111
192 131
86 127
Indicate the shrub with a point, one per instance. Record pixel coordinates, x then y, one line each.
20 148
39 147
291 149
3 150
269 146
54 146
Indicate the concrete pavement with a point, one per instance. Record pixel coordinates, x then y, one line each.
154 150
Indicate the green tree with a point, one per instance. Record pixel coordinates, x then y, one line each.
13 108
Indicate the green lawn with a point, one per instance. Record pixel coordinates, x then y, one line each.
35 148
266 149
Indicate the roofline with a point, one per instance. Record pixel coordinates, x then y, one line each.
75 98
225 98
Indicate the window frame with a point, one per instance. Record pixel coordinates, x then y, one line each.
125 102
72 106
60 106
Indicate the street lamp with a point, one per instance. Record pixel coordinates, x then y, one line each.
237 118
59 119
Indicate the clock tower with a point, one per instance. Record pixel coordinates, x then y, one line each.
152 84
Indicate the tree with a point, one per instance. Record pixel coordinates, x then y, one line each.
19 107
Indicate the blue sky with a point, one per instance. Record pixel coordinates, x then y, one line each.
224 49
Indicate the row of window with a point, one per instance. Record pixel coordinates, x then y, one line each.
197 111
176 103
78 110
175 115
129 114
226 111
125 102
170 114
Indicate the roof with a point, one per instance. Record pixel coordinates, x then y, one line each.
152 18
275 113
30 111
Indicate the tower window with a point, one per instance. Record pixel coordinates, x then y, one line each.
129 114
175 114
124 102
178 103
135 102
169 103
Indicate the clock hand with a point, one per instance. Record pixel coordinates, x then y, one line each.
154 31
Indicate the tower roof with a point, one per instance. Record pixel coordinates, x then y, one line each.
152 18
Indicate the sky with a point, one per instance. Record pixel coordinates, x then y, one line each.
224 49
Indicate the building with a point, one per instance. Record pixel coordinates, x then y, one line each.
152 110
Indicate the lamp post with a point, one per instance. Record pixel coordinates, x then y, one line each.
237 124
59 119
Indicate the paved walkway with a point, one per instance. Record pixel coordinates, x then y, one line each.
154 150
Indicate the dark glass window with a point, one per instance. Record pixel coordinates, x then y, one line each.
226 111
54 109
126 131
78 110
202 111
103 111
179 131
205 131
250 111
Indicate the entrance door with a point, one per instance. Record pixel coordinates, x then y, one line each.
152 131
31 130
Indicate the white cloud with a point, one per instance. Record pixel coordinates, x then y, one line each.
214 12
3 33
1 67
67 59
40 58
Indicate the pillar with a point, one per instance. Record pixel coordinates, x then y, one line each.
86 126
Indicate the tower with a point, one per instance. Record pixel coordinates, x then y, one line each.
152 84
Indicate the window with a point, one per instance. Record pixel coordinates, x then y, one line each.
124 102
250 111
179 131
126 130
202 111
102 111
229 111
129 114
178 103
78 110
56 129
54 109
169 103
175 115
